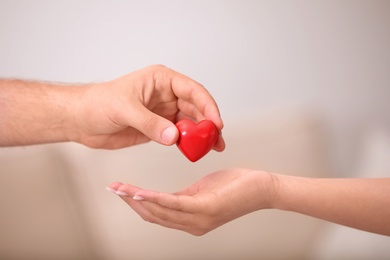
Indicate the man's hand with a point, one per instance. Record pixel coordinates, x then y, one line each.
130 110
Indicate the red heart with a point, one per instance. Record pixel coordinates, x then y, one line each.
196 140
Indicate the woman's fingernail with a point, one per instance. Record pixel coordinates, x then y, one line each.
168 134
121 193
110 189
136 197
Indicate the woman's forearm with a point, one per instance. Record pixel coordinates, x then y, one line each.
359 203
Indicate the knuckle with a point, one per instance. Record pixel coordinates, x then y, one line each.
150 123
156 68
198 232
148 218
163 217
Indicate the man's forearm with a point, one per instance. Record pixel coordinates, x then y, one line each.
34 112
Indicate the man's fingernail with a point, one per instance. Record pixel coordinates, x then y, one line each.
168 134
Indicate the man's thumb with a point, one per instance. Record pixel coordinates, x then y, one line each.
157 128
169 135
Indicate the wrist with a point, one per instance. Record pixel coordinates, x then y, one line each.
268 185
76 115
290 191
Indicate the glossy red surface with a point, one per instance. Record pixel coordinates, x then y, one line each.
196 140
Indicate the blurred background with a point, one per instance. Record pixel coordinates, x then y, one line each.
303 88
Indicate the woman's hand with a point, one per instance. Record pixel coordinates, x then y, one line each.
205 205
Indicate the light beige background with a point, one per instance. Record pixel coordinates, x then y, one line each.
303 87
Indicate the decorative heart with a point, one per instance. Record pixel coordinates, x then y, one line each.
196 140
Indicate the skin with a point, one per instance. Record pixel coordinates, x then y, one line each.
132 109
225 195
143 106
